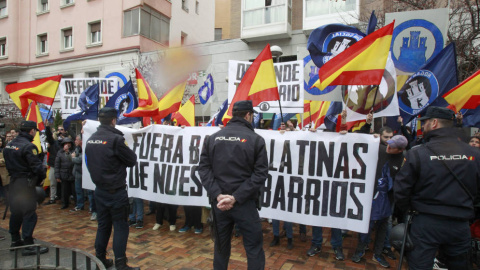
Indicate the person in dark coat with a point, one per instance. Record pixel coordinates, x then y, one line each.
26 171
233 168
439 180
64 171
107 157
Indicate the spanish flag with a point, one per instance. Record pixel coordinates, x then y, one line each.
312 110
170 101
147 100
363 63
466 95
258 84
186 115
35 116
42 91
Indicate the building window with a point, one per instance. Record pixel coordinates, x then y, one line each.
148 23
257 12
67 35
197 7
95 74
42 5
3 8
131 22
185 5
3 47
315 8
218 33
42 44
95 30
68 2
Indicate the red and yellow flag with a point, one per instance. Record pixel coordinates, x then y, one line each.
42 91
35 116
466 95
311 112
363 63
170 101
147 100
186 115
258 84
356 125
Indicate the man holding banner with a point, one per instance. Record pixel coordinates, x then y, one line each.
233 169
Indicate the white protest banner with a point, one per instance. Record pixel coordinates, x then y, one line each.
70 90
289 80
315 178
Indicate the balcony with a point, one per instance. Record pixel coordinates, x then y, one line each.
321 12
266 20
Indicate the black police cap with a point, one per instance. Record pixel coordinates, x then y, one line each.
438 112
243 105
107 112
28 125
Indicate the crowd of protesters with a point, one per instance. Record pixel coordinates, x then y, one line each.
63 157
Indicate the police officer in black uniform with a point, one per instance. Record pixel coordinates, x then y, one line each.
233 168
439 180
26 171
107 156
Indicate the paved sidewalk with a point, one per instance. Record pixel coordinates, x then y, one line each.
163 249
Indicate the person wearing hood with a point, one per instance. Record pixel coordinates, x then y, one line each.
63 171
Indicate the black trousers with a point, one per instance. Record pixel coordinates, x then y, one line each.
68 188
112 210
160 209
193 216
430 233
246 217
22 208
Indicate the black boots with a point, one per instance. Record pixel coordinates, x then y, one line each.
106 262
290 243
275 241
121 264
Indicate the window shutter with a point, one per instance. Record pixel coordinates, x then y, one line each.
43 38
95 27
67 32
3 4
3 41
44 2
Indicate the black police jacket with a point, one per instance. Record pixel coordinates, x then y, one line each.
22 159
107 157
426 185
234 161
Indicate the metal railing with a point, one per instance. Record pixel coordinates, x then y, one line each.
89 258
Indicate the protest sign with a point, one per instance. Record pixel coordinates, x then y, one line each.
315 178
70 90
289 80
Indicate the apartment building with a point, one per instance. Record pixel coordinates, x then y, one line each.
93 38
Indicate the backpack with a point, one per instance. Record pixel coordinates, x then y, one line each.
381 207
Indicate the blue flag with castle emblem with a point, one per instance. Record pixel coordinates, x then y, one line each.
206 91
124 101
427 85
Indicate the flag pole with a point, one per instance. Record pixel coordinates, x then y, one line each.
52 103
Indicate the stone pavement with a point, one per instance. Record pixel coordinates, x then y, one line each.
163 249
